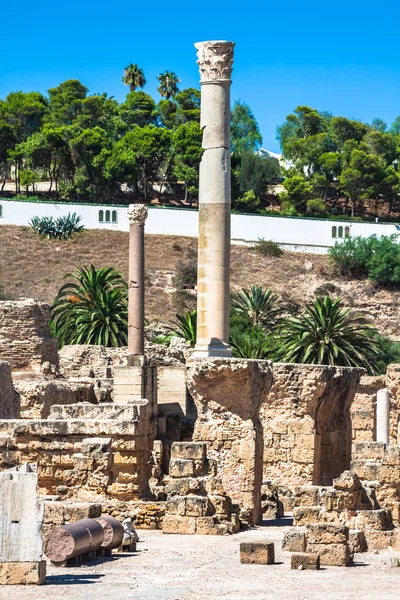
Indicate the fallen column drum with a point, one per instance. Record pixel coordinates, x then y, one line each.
113 532
75 539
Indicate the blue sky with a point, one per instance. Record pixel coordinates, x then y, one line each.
338 56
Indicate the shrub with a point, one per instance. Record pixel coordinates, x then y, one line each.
185 277
267 248
375 258
248 202
4 295
61 228
185 326
316 207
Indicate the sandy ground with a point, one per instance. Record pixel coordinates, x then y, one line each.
172 567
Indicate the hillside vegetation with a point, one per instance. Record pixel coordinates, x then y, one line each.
34 267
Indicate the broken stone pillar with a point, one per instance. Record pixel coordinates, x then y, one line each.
137 215
215 63
382 416
228 394
21 517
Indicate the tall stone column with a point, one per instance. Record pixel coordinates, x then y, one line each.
213 299
137 215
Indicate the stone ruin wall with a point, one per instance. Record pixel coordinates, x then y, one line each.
85 452
25 340
363 410
9 398
306 423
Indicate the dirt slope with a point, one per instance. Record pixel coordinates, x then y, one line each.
33 267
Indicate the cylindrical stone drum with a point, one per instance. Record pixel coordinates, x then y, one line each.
67 541
113 532
96 533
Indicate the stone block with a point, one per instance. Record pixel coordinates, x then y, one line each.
369 450
176 506
184 486
305 561
334 555
257 553
357 541
294 540
347 481
326 533
378 540
189 450
207 526
197 506
341 500
178 524
392 456
389 474
307 495
222 505
378 520
302 515
366 469
395 539
181 468
23 573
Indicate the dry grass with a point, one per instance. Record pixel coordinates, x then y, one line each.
34 267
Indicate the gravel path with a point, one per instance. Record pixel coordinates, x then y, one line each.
172 567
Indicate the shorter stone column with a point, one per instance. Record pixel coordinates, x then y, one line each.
382 416
137 215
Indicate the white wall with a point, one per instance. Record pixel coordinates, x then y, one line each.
297 234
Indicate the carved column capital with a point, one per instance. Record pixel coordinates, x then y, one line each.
137 213
215 60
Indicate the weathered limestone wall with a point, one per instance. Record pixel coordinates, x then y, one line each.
393 386
228 394
363 409
25 340
90 456
173 396
9 399
91 361
306 423
37 397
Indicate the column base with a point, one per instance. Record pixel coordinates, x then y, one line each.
219 350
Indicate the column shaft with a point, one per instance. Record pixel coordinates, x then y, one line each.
382 416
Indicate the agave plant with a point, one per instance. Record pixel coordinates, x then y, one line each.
259 305
61 228
92 309
327 334
185 326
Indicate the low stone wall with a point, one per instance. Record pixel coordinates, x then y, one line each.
9 399
86 458
91 361
37 397
25 340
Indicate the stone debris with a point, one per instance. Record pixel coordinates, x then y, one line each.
305 561
257 553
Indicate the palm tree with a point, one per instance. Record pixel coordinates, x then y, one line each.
168 87
185 326
327 334
93 309
133 77
260 306
251 343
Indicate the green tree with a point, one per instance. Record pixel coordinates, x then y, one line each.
245 132
254 172
188 103
27 178
133 77
138 109
89 151
92 309
65 102
359 179
327 334
151 146
187 153
25 113
168 84
7 142
343 129
297 191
